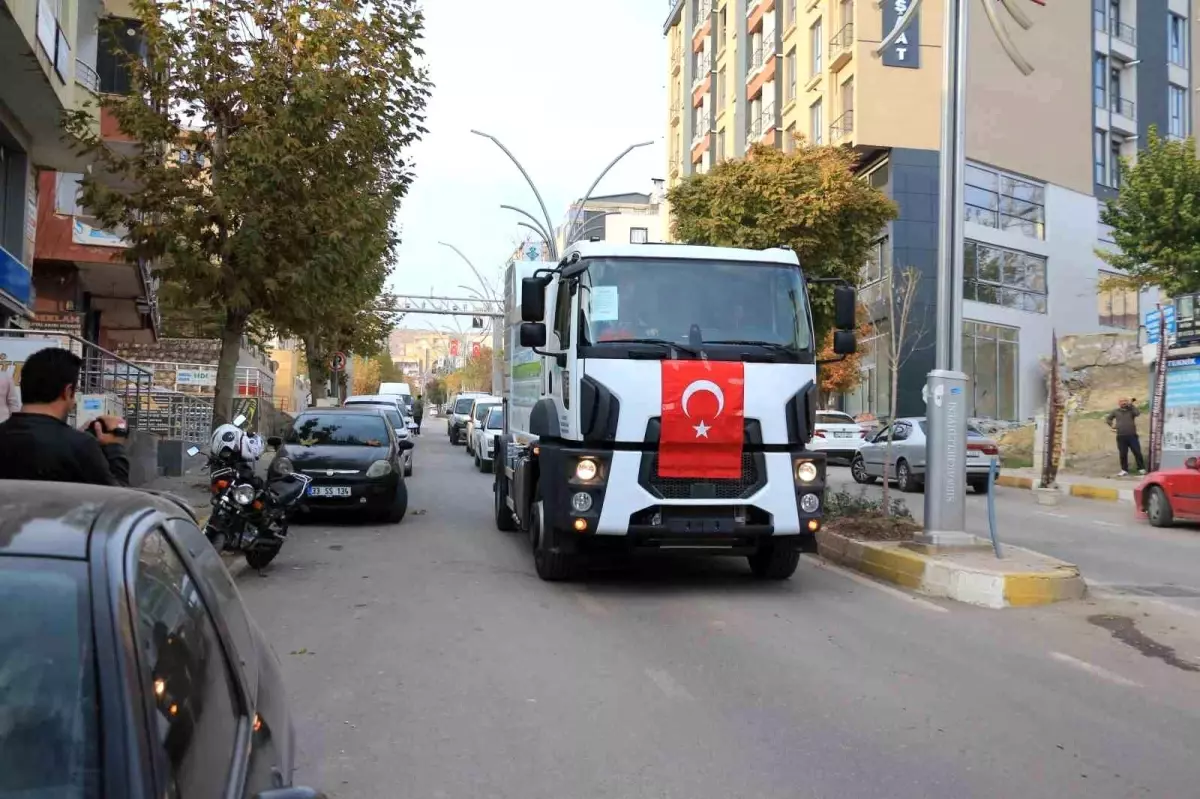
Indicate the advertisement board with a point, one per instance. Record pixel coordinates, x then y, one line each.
15 350
1181 424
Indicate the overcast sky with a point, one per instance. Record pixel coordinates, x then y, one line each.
566 85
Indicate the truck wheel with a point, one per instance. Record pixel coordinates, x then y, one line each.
505 522
550 566
774 563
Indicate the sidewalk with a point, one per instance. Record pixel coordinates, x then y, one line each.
1111 489
193 488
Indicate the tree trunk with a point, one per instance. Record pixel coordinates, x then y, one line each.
231 348
887 453
318 371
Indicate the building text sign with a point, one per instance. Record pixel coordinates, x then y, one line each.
905 52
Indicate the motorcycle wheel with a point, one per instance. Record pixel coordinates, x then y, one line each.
259 558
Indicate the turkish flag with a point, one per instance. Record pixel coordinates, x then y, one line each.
703 407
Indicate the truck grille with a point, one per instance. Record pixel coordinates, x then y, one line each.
753 476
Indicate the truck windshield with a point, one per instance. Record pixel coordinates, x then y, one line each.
673 300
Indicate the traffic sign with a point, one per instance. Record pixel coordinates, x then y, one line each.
338 362
1153 321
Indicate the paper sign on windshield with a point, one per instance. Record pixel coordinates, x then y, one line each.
605 304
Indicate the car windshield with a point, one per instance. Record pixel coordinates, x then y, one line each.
464 405
339 429
673 299
482 409
495 420
829 417
48 702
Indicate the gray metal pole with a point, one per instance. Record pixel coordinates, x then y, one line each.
588 194
536 230
945 493
529 180
486 286
545 234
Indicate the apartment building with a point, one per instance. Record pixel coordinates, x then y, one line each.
1043 152
59 270
631 217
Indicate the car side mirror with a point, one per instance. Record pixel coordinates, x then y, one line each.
297 792
845 342
275 442
533 299
405 444
1192 463
845 309
193 451
533 334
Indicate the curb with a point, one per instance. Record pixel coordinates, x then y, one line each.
1080 490
932 576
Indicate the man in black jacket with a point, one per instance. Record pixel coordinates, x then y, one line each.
38 444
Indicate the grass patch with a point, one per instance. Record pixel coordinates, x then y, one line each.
1015 462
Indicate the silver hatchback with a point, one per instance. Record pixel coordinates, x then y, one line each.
907 467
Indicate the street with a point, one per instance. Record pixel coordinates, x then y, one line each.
427 660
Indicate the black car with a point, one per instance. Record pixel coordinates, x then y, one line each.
354 457
128 664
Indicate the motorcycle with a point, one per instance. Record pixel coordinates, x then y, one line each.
250 515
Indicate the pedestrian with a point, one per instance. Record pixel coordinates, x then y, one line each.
1123 421
36 443
418 412
10 397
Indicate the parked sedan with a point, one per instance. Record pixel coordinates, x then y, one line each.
475 419
1169 495
354 457
485 438
128 663
907 468
837 435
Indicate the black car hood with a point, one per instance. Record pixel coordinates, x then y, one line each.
335 457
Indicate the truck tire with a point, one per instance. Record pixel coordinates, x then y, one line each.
774 563
551 566
505 522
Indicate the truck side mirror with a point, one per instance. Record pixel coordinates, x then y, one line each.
533 300
533 334
844 342
845 308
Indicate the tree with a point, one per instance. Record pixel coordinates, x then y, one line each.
837 374
293 116
366 375
1156 217
435 391
902 335
809 200
474 375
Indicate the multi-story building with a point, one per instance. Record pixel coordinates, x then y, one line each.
58 269
633 217
1043 152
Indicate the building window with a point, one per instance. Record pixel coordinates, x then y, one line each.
719 155
1177 40
1118 306
877 264
722 91
722 23
1005 202
789 139
790 74
1114 162
990 359
873 395
1177 112
117 41
639 235
1004 277
1099 87
1114 91
1099 145
816 123
789 14
815 41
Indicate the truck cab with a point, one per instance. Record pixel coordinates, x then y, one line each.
663 397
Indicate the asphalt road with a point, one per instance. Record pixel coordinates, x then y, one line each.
1116 552
427 661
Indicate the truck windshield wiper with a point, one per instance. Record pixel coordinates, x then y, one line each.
662 342
789 349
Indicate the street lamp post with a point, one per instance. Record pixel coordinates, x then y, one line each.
529 180
489 296
588 194
536 226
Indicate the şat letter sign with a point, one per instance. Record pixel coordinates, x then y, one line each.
703 408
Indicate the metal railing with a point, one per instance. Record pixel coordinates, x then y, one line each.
702 129
86 76
702 13
1124 107
842 126
841 41
760 55
1126 33
172 414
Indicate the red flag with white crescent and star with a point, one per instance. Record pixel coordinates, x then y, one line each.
703 407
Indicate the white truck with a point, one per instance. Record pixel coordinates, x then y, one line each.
660 397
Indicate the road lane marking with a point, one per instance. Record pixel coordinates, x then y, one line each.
1055 515
867 581
1104 523
667 684
1094 670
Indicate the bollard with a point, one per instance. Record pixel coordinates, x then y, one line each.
991 503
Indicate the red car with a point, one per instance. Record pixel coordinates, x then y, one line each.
1170 495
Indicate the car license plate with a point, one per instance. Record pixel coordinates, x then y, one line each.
840 434
329 491
974 455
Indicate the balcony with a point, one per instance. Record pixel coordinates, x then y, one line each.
759 56
676 59
1124 116
86 76
703 127
842 127
703 13
841 47
1123 33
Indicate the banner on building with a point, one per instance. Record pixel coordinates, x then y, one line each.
83 233
15 350
905 52
196 377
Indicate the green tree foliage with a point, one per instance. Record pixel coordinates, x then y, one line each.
435 392
294 116
1156 217
808 200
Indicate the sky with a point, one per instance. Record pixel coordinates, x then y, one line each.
566 85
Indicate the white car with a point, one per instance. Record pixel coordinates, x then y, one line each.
479 409
837 435
394 409
485 438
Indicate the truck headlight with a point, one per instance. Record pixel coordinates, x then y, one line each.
586 470
243 494
809 503
379 469
806 471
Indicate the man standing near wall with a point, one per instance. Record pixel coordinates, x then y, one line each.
1123 421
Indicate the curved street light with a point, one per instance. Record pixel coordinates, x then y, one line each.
487 286
529 180
588 194
536 226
